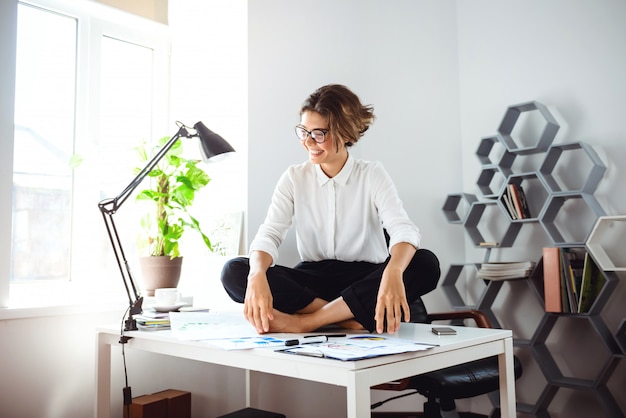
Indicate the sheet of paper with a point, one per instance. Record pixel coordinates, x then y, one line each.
355 347
244 343
195 326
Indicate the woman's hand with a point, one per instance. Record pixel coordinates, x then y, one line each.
391 302
258 306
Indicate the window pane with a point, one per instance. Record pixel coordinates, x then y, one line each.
125 119
44 142
125 110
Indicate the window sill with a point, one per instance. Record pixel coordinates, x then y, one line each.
47 311
54 299
31 300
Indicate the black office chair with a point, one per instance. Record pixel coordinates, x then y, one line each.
442 387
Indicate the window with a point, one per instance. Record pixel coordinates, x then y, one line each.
91 83
44 132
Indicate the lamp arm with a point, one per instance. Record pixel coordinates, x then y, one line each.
135 300
112 205
108 208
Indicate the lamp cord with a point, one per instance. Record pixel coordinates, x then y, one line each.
128 398
377 404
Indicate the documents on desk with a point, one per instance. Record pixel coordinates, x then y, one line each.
200 326
230 331
358 346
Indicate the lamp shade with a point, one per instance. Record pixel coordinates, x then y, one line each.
213 147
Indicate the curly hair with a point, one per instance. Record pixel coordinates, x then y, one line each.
348 119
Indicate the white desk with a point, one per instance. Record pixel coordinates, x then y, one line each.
357 376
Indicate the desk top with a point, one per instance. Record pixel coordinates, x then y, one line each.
267 359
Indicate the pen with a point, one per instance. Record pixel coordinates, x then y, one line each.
309 339
312 339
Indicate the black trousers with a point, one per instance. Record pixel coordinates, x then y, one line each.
357 282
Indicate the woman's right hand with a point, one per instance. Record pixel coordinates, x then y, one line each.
258 304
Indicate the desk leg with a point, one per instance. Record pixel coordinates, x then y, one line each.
103 377
507 380
358 399
248 383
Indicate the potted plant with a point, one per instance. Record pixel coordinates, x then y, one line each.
173 186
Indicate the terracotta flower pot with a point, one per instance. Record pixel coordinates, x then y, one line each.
159 272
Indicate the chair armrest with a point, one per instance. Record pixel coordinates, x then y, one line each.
482 321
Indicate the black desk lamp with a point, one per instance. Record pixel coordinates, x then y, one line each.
213 148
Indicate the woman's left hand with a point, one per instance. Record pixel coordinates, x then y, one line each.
391 303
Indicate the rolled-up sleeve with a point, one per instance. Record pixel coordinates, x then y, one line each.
391 211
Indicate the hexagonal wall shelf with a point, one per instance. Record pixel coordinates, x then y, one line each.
548 365
535 192
510 119
589 168
491 179
559 187
489 154
501 221
449 283
456 207
621 336
605 243
577 218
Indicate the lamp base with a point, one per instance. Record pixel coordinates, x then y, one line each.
135 309
130 325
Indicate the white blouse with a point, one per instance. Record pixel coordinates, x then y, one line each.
339 218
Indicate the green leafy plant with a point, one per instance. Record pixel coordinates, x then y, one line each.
173 186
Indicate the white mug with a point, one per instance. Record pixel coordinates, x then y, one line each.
166 296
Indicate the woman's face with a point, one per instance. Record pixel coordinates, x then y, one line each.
330 156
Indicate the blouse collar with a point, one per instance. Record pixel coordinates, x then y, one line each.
341 178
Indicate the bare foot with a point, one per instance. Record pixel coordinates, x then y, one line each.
283 322
351 324
299 322
316 315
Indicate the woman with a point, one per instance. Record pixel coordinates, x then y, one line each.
341 207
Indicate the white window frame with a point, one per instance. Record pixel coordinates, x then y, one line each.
95 21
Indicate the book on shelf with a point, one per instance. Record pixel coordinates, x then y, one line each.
571 268
571 280
515 202
593 280
505 270
552 280
508 204
525 210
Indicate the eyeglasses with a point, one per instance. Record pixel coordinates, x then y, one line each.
317 135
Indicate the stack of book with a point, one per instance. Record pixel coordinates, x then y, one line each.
152 320
505 270
572 281
514 200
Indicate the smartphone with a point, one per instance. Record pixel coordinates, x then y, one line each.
443 331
